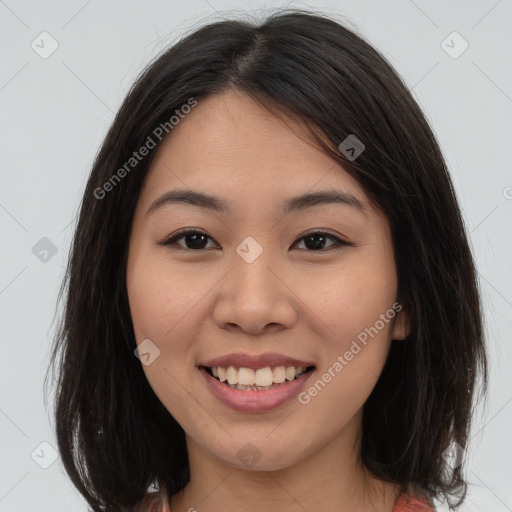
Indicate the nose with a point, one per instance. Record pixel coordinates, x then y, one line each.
254 298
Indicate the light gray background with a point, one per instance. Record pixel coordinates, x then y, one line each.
56 111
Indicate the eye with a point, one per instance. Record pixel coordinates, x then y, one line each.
196 240
316 240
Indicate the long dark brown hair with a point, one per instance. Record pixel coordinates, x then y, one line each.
115 437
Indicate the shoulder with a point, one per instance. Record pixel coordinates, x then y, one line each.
412 504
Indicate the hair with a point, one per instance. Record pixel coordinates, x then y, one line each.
115 437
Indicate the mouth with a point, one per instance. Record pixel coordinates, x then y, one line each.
256 383
257 379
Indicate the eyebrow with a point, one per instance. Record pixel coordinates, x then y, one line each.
292 204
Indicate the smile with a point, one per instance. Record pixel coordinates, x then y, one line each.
252 397
261 379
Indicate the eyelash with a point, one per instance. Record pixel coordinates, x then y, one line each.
172 240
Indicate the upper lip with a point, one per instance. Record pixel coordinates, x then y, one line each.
239 360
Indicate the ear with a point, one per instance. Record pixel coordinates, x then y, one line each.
402 325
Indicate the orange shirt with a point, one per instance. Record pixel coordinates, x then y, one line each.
412 504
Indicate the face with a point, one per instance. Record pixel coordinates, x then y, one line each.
314 284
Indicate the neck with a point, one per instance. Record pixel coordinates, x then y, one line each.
331 478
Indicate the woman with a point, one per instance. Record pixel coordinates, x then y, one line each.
271 299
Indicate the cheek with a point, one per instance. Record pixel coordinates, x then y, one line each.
146 294
355 301
358 308
159 297
351 299
164 304
159 302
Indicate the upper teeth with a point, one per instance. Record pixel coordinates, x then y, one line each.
260 377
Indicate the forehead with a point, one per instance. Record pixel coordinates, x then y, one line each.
231 145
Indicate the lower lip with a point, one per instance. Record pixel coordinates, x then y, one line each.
255 401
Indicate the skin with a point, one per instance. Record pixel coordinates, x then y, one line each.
308 303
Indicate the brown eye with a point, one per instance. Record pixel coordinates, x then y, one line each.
194 240
197 240
315 241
